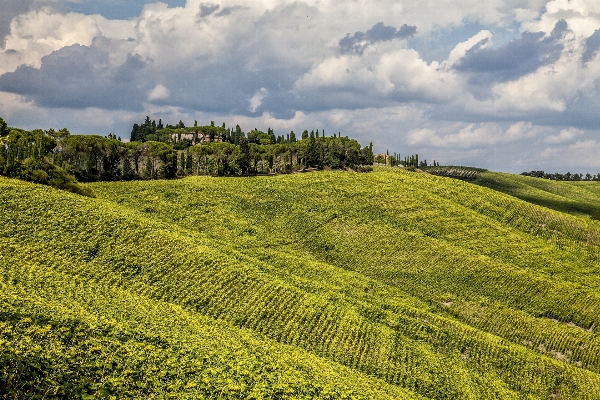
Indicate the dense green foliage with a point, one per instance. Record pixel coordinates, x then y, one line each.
28 156
331 285
562 177
59 159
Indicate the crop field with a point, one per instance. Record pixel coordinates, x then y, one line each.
390 284
581 198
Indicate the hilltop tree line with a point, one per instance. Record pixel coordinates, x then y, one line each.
562 177
394 160
60 159
218 150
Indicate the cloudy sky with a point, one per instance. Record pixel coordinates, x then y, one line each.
509 85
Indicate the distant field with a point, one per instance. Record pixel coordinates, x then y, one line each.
580 198
390 284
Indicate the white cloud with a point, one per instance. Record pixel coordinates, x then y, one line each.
384 73
483 38
480 135
566 135
524 130
40 32
257 99
581 156
160 92
472 135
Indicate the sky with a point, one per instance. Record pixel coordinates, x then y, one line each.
507 85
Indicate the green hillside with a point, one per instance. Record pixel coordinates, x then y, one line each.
390 284
580 198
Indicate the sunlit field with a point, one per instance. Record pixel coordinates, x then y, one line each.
390 284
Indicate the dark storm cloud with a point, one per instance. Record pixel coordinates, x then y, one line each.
8 10
227 87
358 42
592 44
516 58
79 77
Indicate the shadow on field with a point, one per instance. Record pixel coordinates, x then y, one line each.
536 196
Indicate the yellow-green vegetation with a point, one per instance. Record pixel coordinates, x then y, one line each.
580 198
391 284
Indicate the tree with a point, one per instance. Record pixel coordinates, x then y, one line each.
134 133
245 150
4 130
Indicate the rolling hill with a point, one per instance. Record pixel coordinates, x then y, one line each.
390 284
581 198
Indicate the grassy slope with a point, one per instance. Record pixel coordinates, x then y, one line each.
578 198
411 284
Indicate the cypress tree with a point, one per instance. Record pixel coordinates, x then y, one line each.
4 131
245 149
134 133
149 167
188 161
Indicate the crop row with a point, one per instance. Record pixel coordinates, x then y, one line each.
147 259
410 252
71 338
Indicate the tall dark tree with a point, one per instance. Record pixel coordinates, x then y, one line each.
4 131
134 133
245 150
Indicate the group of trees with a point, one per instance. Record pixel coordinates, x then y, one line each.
217 150
395 160
60 159
27 155
182 137
248 158
563 177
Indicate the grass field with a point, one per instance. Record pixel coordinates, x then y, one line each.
390 284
